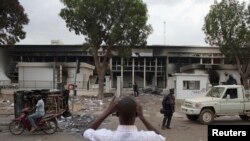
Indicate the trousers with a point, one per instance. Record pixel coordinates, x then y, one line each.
32 118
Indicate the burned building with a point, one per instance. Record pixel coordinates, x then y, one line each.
151 65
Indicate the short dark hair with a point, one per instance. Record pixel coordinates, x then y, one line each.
126 108
171 91
39 97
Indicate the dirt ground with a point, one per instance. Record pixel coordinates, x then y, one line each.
182 128
151 105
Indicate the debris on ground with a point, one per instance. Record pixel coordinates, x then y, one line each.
5 102
75 124
86 109
151 89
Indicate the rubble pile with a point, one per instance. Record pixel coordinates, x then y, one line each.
6 107
92 104
75 124
85 109
5 102
86 105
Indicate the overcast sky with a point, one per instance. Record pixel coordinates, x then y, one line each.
183 22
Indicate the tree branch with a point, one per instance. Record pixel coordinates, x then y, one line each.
107 55
238 65
248 68
96 58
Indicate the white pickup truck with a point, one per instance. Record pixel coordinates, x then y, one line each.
221 100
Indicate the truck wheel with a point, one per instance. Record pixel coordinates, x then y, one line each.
206 116
192 117
245 117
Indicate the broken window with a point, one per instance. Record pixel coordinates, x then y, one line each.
191 85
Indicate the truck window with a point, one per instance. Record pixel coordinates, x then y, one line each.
232 93
215 92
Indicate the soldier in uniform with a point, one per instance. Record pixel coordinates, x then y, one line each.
168 105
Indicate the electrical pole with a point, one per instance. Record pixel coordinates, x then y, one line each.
164 33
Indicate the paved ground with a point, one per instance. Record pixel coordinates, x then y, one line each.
182 128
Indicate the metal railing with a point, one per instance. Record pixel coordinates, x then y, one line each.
4 82
37 84
10 86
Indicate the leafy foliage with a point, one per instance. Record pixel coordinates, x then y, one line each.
108 25
226 26
108 22
12 19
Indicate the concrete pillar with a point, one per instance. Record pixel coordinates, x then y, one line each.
144 74
54 74
111 70
156 69
166 72
222 61
121 72
133 71
201 61
119 88
212 59
4 80
107 84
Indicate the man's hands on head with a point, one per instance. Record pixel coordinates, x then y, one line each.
139 110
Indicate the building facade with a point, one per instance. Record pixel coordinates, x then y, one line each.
53 75
151 65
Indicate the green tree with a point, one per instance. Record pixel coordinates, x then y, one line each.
12 19
108 25
226 27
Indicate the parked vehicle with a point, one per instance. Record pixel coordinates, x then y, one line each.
221 100
47 123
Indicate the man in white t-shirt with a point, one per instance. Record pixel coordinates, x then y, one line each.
127 110
39 113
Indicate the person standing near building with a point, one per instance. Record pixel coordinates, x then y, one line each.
168 104
135 88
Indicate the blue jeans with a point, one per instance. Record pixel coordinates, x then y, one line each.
33 117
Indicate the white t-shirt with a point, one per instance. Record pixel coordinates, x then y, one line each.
123 133
40 107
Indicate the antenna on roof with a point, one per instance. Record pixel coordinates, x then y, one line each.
164 33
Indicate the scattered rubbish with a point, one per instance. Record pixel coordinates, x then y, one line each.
75 124
4 101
